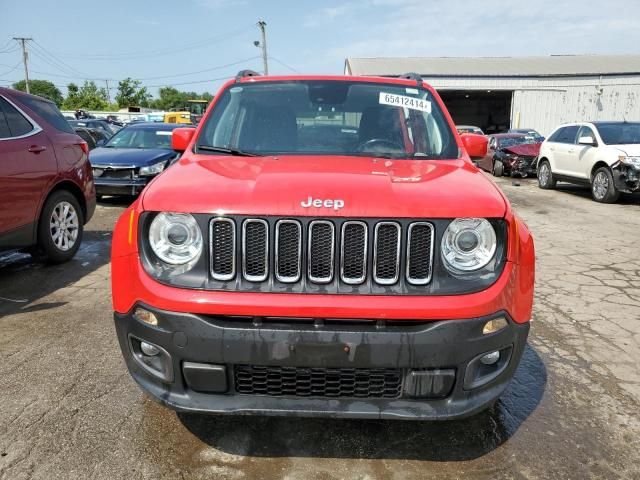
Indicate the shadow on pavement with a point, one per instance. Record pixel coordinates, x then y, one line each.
585 192
24 280
377 439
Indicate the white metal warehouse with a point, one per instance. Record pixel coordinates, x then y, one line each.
497 93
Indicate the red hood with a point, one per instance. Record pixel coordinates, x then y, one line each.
369 187
525 149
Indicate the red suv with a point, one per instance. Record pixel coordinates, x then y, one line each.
324 246
46 184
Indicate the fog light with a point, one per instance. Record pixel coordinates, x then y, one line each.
145 316
494 325
152 350
489 358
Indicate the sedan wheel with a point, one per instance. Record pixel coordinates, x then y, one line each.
60 227
602 187
63 226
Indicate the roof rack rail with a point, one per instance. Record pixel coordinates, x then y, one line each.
246 73
412 76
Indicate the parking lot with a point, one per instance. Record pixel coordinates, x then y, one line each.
70 409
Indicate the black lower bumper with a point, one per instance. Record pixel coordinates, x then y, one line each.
120 187
626 178
358 369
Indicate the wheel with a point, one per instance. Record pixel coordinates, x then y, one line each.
60 227
545 176
602 188
498 168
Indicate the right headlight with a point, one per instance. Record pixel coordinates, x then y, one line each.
468 244
175 238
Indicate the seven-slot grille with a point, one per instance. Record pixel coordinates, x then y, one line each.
318 382
322 251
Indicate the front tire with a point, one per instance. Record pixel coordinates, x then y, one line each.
60 227
498 168
546 181
603 189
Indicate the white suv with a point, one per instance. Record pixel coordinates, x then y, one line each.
605 155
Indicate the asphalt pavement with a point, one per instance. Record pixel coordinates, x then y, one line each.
68 408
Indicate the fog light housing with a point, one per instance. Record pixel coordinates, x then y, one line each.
494 325
148 349
490 358
145 316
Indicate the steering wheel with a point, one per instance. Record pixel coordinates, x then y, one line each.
375 144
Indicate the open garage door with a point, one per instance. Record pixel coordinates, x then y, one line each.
489 110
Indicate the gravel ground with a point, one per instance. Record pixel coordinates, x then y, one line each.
70 410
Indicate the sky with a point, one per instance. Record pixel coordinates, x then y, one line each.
195 44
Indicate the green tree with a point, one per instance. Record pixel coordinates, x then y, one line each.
42 88
88 97
131 92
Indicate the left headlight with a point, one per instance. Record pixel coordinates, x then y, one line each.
154 169
468 244
176 238
635 161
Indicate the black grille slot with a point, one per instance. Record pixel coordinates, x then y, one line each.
255 250
288 250
223 248
318 382
120 173
386 262
321 251
354 252
419 253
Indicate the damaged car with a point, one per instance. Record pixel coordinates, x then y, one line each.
603 155
511 154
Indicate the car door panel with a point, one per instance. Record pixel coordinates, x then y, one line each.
586 154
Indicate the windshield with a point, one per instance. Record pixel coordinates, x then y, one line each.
511 141
135 137
619 133
328 117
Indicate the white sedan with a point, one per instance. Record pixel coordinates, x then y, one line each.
604 155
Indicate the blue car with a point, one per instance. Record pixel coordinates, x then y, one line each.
132 157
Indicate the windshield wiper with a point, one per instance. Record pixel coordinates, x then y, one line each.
229 151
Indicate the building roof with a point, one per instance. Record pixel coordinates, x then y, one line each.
551 66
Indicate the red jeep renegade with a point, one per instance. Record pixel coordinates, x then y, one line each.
324 247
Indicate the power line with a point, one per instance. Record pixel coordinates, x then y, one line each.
56 60
284 65
160 52
9 71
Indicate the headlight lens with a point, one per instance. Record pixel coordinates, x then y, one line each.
176 238
468 244
154 169
635 161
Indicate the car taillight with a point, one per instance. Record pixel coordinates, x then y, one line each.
85 147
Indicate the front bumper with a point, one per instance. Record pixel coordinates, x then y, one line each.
438 363
114 186
520 166
626 178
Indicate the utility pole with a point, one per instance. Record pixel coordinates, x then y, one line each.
262 24
25 58
106 80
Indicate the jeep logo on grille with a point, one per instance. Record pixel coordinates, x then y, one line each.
336 204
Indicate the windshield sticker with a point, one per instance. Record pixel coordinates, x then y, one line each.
412 91
402 101
164 132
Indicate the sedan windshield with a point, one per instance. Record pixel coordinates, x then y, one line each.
136 137
327 117
512 141
619 133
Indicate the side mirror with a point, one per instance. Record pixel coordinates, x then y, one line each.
100 142
475 145
181 138
588 141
